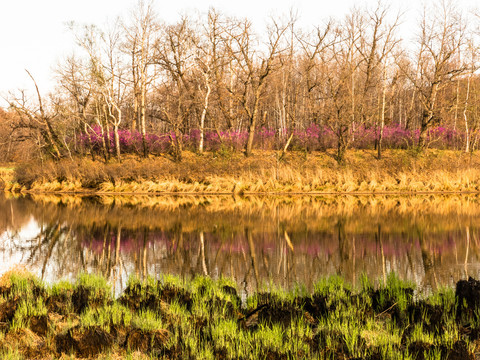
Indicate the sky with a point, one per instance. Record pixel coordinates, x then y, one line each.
34 35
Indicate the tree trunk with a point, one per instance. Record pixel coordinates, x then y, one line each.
177 145
142 117
53 139
422 138
379 143
107 134
117 142
251 135
341 150
253 123
135 117
467 130
457 97
427 122
204 114
427 118
178 148
105 147
382 115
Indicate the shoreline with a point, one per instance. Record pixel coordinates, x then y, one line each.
244 194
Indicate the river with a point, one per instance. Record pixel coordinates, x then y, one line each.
262 242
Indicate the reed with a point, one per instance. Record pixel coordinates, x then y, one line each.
397 171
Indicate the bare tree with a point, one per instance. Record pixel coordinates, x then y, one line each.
442 34
217 74
36 117
341 70
376 45
75 87
253 68
141 36
206 60
311 68
174 53
107 75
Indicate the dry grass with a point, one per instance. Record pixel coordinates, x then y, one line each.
19 270
397 171
7 177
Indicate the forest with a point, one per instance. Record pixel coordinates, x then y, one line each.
210 82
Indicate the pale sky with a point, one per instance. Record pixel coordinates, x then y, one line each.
33 34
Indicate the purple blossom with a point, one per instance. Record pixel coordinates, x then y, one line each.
314 137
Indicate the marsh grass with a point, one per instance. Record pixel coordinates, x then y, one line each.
109 316
443 297
19 282
11 354
147 320
7 177
397 171
398 291
95 282
171 318
27 309
61 287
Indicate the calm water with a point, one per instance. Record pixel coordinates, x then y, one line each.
432 241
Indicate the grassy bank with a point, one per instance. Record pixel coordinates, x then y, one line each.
7 176
317 172
206 319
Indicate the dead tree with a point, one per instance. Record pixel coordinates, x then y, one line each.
37 118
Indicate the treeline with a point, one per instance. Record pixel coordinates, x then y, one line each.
214 75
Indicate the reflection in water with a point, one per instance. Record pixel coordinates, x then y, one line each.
259 241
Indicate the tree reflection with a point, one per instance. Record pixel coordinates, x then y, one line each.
257 244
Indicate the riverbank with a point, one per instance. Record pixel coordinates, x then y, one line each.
398 171
205 318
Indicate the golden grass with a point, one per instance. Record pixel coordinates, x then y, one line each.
317 173
7 177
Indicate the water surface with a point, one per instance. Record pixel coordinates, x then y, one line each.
259 241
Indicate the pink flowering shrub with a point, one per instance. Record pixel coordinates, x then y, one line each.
312 138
